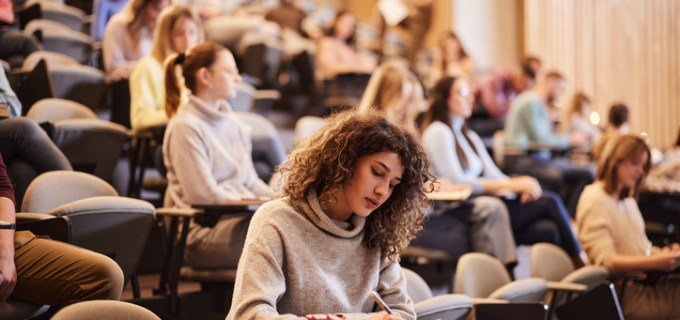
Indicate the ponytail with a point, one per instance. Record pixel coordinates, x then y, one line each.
200 56
173 91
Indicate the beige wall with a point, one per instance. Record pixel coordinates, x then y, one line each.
614 50
489 30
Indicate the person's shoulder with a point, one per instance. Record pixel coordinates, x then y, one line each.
279 211
435 130
118 20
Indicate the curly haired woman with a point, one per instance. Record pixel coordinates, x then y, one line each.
355 197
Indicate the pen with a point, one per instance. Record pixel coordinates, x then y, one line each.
380 302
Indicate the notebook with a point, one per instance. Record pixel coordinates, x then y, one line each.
600 303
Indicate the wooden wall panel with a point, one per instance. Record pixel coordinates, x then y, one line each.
614 51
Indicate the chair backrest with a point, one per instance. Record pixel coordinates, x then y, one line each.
43 24
67 15
114 226
82 84
36 86
550 262
55 188
306 126
55 109
74 44
600 303
479 274
416 287
511 311
447 306
104 310
91 145
51 58
245 96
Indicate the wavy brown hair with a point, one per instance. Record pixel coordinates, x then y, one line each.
618 149
325 161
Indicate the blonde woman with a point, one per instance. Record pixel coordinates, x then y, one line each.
128 37
395 91
612 231
178 30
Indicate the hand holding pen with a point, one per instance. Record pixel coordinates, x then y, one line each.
387 313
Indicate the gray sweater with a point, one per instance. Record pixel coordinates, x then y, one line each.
207 152
298 261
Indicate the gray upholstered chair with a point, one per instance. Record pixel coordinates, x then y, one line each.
80 83
57 37
551 263
91 145
245 97
104 310
480 275
59 12
55 109
427 307
306 126
51 58
100 220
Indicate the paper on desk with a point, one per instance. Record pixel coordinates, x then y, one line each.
393 11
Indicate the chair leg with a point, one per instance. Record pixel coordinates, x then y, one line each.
134 280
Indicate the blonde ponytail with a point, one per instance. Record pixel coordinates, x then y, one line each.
173 89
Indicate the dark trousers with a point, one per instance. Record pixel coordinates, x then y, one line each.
28 152
15 46
554 175
544 220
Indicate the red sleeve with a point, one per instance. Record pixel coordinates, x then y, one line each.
6 11
6 189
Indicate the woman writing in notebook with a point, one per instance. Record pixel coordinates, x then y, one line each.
612 231
207 151
354 198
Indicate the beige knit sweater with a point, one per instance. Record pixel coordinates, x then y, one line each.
297 261
608 226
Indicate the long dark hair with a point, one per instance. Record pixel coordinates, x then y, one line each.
331 31
439 111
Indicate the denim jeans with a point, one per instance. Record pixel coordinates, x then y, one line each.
28 152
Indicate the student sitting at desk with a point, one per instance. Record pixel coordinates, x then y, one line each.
354 199
207 152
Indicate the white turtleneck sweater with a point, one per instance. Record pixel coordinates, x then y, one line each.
207 152
297 261
440 144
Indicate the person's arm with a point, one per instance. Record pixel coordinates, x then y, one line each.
113 51
9 95
254 183
329 62
392 289
260 281
8 272
6 12
192 166
539 128
440 146
146 94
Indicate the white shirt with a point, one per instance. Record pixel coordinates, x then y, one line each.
120 51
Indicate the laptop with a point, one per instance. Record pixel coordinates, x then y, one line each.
511 311
600 303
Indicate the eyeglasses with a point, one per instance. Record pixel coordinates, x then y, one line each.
464 92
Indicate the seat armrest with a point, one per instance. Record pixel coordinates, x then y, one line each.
448 306
177 212
566 286
525 290
477 301
29 217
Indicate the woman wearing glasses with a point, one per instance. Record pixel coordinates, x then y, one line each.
459 155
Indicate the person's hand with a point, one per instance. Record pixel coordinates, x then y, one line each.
578 139
668 259
8 276
528 188
385 316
